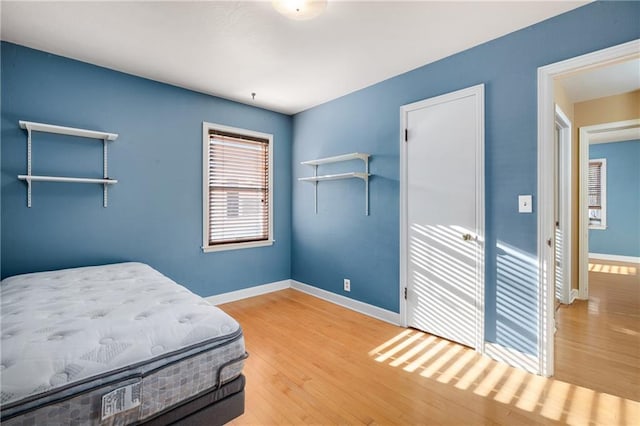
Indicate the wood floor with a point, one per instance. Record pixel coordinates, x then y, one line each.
312 362
598 341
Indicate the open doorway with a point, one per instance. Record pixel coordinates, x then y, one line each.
596 76
598 336
609 126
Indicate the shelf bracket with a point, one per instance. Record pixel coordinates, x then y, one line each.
105 172
315 188
366 185
29 156
28 192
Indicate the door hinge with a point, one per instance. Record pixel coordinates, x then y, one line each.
405 293
406 135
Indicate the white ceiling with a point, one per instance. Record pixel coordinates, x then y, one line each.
609 80
233 48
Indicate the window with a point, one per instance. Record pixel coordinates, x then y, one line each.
597 187
237 195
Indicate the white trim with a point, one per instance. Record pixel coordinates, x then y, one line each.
237 246
574 295
546 76
245 293
617 131
345 302
603 192
546 124
583 215
205 190
512 357
478 92
614 257
481 231
403 217
565 194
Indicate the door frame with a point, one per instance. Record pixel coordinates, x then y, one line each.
546 123
616 131
564 180
478 92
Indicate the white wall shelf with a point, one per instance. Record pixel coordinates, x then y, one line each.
337 176
36 178
349 175
70 131
338 158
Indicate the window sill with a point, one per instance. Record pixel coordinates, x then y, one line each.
237 246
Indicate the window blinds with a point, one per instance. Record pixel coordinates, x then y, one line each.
595 185
238 188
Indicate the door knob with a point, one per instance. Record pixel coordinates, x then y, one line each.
467 237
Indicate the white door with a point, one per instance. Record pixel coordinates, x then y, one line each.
443 226
562 207
558 240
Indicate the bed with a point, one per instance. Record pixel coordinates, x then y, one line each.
115 345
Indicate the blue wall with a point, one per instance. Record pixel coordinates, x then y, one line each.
622 236
341 242
155 211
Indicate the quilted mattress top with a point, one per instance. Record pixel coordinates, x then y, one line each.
66 326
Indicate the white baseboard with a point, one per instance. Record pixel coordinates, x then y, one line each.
512 357
574 295
245 293
614 257
354 305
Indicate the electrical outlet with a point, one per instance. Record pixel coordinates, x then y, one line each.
347 284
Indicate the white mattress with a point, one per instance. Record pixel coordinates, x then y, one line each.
65 330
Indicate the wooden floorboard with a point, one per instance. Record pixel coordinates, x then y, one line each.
598 340
312 362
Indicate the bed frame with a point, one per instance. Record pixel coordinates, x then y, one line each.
213 408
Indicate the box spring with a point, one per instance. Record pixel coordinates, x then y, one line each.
49 381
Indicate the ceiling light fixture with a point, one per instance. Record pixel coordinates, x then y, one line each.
300 10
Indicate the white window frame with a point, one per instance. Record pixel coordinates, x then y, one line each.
603 193
206 127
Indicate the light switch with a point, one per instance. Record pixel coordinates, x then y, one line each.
524 204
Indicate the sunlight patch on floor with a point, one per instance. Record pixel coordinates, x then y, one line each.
508 391
422 360
625 330
432 358
532 393
613 269
456 367
556 399
490 381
